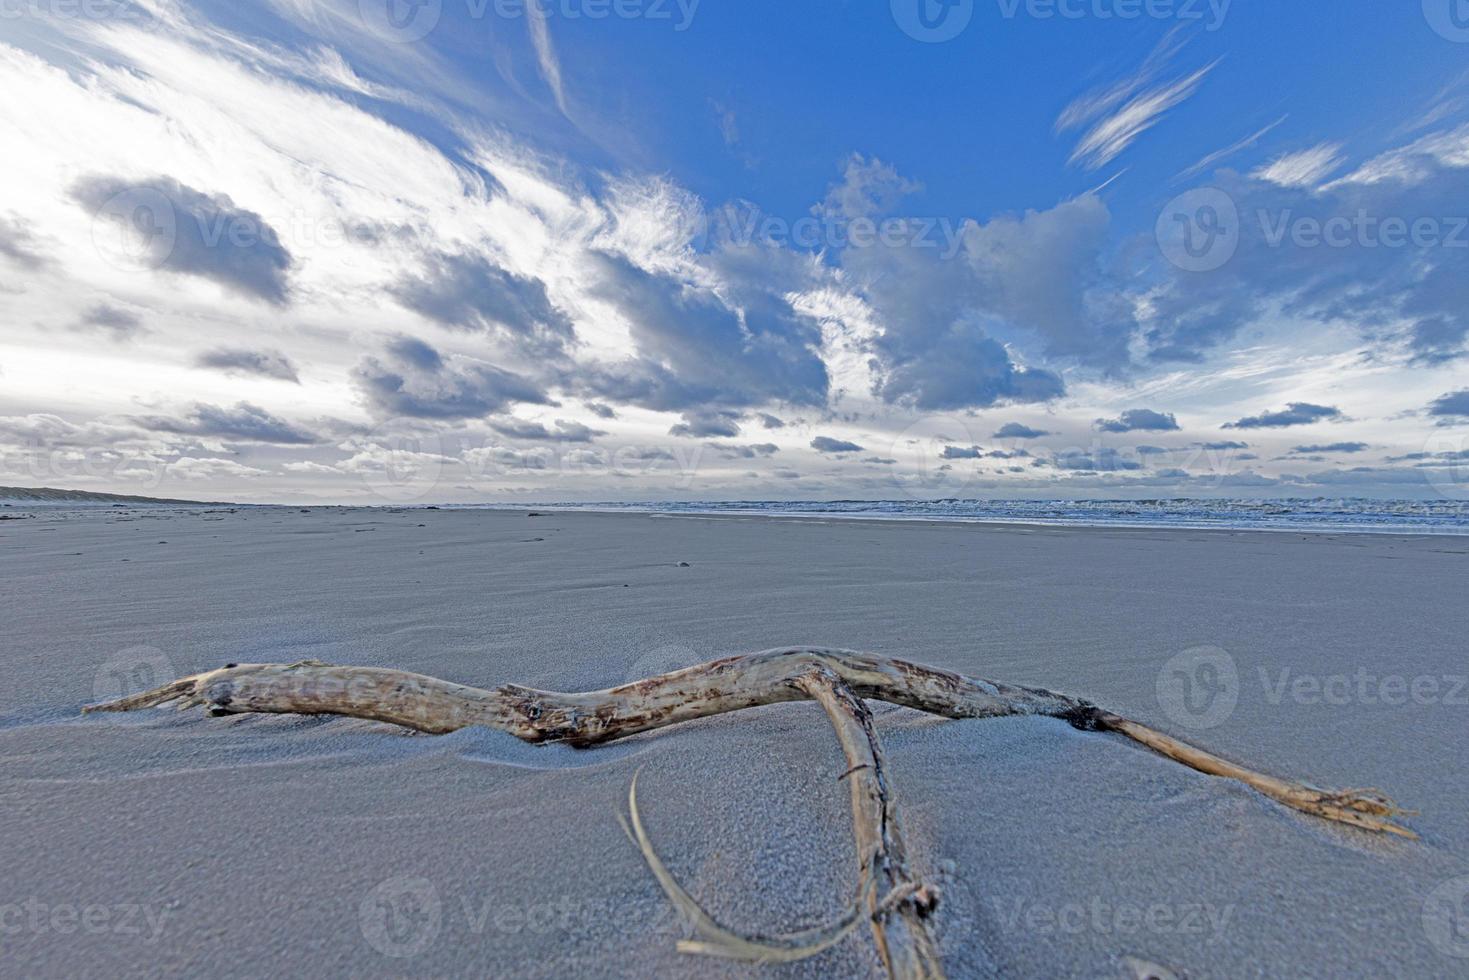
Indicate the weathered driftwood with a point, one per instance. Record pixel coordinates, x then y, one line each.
896 903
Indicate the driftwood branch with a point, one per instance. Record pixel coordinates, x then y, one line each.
897 905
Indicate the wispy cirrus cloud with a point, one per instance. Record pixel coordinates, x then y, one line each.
1116 115
1303 168
1219 156
546 58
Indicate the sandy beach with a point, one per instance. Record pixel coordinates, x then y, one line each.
176 843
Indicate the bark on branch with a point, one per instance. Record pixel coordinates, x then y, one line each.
897 905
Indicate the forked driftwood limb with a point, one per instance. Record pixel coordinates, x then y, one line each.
897 905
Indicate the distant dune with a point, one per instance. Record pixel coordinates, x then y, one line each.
49 495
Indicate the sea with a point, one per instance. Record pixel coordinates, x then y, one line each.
1334 515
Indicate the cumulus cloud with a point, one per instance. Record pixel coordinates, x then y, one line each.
413 380
120 324
868 188
1140 420
937 306
836 447
696 350
1044 271
756 451
1454 405
242 423
963 452
1015 430
1099 460
243 361
472 293
18 243
1384 249
1335 447
1298 413
602 411
180 229
563 432
701 425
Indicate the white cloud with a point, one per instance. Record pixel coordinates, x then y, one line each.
1303 168
1118 113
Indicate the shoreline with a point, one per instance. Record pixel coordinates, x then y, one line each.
1348 530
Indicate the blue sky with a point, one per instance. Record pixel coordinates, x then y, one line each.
367 250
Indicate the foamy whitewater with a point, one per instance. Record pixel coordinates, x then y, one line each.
1335 515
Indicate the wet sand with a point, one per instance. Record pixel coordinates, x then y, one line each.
177 843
